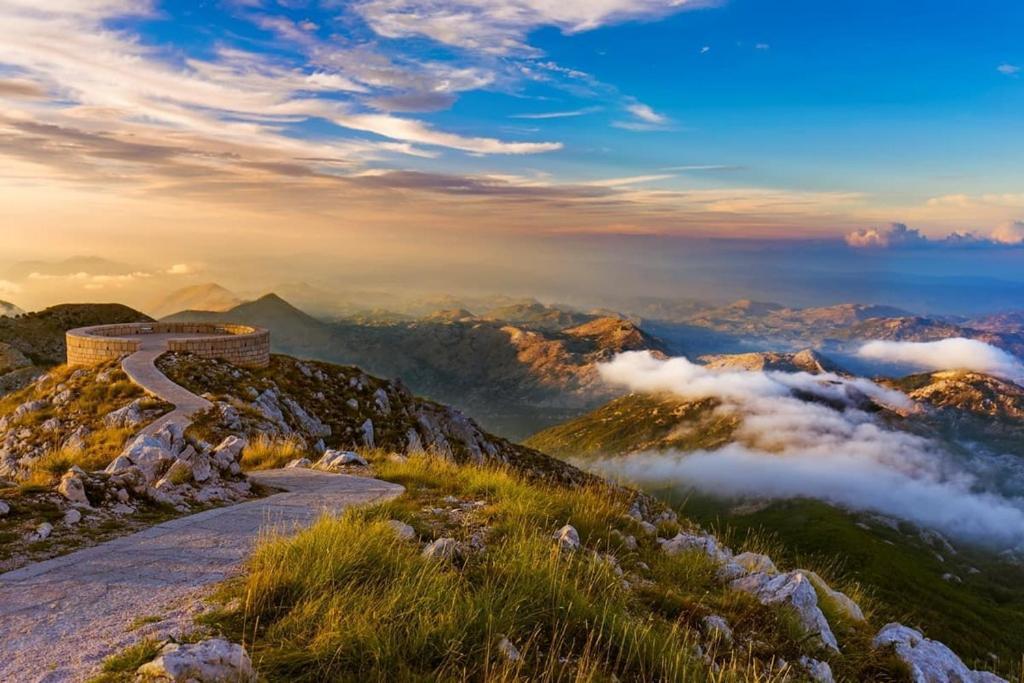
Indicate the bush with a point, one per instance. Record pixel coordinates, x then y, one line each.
267 453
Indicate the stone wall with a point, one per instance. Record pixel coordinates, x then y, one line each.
239 344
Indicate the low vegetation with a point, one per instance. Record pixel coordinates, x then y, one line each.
348 599
270 452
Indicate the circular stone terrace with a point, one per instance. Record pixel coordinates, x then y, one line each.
242 345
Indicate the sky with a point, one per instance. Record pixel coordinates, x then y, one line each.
384 134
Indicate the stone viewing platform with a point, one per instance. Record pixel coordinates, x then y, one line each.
241 345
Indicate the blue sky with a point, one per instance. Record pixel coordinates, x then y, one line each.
731 118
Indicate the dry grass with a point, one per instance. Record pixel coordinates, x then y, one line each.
347 600
267 453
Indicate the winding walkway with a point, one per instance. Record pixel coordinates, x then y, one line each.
60 618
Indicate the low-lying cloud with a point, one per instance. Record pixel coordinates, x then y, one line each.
803 435
956 353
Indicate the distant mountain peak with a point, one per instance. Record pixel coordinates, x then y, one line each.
208 296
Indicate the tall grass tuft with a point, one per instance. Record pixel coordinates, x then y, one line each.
271 452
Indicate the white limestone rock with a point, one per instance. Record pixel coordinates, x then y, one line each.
817 670
201 470
130 415
72 517
446 549
5 509
842 602
72 488
333 459
507 650
210 661
683 542
928 661
367 430
402 530
228 452
756 563
299 463
794 590
41 532
716 628
568 538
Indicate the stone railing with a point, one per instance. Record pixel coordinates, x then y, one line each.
238 344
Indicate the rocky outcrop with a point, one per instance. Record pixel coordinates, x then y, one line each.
928 661
209 661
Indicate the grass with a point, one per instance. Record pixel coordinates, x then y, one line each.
347 600
267 452
122 666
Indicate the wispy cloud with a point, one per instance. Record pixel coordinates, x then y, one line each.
1008 69
557 114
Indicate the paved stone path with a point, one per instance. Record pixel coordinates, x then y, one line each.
141 369
61 617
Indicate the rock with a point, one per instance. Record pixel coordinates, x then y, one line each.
228 452
29 407
201 470
928 661
4 508
210 661
649 528
840 600
756 562
683 542
367 430
72 488
72 517
507 650
130 415
41 532
380 398
402 530
119 464
332 459
716 628
730 571
568 538
152 460
817 670
446 549
299 463
794 590
51 425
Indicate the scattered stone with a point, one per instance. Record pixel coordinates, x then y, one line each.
402 530
201 470
72 488
683 542
299 463
716 628
333 459
929 661
4 508
507 650
41 532
72 517
367 431
568 538
794 590
446 549
817 670
648 528
209 661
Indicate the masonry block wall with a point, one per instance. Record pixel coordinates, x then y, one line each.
238 344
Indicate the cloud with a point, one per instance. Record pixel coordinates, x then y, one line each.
947 354
802 435
1011 232
706 49
646 114
893 235
557 114
502 28
762 46
8 288
1008 69
180 269
93 281
898 235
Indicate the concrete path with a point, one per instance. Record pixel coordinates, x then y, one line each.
141 369
61 617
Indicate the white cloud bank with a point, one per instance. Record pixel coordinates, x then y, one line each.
899 236
956 353
826 448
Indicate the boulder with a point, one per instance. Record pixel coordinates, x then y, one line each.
817 670
41 532
72 488
568 538
152 460
842 602
299 463
228 452
402 530
209 661
130 415
446 549
793 590
716 628
72 517
683 542
4 508
928 661
332 459
201 470
367 430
